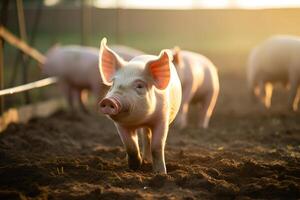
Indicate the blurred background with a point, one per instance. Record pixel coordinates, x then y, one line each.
248 152
223 30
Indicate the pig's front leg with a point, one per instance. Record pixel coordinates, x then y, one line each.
265 93
159 136
78 95
130 140
268 94
146 144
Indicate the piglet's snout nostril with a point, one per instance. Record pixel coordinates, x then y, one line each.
110 106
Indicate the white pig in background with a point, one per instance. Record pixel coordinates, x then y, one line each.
200 84
144 93
77 69
277 60
127 53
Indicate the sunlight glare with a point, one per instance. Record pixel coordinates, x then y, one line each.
196 4
267 4
51 2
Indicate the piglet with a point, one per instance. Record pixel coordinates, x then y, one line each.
144 93
126 52
276 60
200 84
77 70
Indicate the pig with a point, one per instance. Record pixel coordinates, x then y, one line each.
200 85
127 53
145 93
77 69
276 60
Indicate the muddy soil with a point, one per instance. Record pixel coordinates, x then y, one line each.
247 153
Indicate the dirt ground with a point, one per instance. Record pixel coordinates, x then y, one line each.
247 153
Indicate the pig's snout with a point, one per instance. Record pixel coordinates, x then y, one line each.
110 106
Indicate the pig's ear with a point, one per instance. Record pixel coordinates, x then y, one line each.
109 63
177 60
160 69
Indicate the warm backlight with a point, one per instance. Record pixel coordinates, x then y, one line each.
193 4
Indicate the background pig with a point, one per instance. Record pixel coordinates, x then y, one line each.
77 68
145 93
200 84
277 60
127 53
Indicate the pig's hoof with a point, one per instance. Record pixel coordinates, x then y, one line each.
161 170
293 108
201 125
147 160
134 162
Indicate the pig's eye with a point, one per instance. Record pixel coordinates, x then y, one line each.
140 87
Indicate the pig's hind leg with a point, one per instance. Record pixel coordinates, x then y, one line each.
207 106
146 144
67 91
294 95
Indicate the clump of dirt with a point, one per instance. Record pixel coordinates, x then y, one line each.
247 153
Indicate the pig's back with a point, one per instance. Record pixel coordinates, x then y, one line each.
275 57
77 65
127 53
202 72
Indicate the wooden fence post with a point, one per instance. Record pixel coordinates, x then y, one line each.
2 23
23 35
118 22
1 75
85 21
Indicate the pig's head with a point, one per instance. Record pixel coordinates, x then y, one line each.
133 85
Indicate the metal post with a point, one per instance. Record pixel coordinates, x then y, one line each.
23 35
